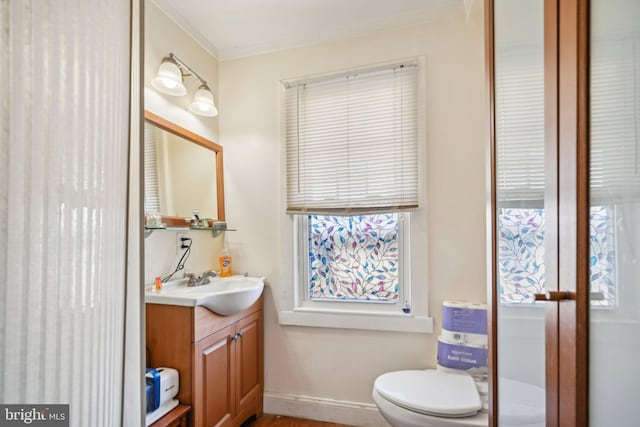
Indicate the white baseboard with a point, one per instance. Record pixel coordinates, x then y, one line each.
320 409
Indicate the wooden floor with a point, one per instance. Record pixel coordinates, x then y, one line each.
267 420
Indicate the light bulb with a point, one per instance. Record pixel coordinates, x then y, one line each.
203 104
169 78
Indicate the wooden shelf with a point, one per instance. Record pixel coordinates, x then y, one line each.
177 417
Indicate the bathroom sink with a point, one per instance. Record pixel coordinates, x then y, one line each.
223 295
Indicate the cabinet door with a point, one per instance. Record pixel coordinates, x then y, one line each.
213 376
249 357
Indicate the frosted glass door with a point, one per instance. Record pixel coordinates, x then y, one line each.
614 188
520 210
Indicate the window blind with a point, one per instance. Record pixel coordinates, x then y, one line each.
520 126
151 185
351 142
615 122
615 125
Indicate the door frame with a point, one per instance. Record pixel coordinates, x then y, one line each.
492 224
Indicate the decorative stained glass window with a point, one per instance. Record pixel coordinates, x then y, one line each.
354 258
602 256
521 247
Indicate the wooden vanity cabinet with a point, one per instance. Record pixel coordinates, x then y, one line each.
249 367
219 358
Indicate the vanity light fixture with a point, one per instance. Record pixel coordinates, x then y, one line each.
169 80
203 102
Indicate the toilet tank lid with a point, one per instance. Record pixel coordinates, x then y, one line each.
431 392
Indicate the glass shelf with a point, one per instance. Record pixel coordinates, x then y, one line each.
215 231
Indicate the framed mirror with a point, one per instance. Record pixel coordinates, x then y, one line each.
183 172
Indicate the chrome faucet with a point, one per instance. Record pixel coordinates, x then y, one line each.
207 274
200 280
192 279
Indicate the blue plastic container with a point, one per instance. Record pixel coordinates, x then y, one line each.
152 378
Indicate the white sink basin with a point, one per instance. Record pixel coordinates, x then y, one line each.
223 295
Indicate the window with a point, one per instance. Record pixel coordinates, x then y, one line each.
366 286
352 157
521 254
354 258
614 177
151 185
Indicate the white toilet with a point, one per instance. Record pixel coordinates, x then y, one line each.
428 398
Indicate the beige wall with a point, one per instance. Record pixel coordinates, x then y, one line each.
336 363
162 36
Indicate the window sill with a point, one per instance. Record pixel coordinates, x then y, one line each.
392 322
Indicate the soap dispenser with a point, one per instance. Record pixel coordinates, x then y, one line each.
225 261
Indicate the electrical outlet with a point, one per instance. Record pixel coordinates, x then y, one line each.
179 242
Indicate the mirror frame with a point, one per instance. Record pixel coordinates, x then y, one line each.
173 128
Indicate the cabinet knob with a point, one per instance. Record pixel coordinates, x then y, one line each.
236 337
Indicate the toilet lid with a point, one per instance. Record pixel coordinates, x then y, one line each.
431 392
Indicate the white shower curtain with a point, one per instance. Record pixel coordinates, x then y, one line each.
64 124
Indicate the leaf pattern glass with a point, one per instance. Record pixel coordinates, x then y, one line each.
521 247
354 258
602 256
521 253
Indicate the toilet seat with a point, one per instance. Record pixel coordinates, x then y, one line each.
430 392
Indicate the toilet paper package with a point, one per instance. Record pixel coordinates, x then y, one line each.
464 318
464 338
479 373
470 358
